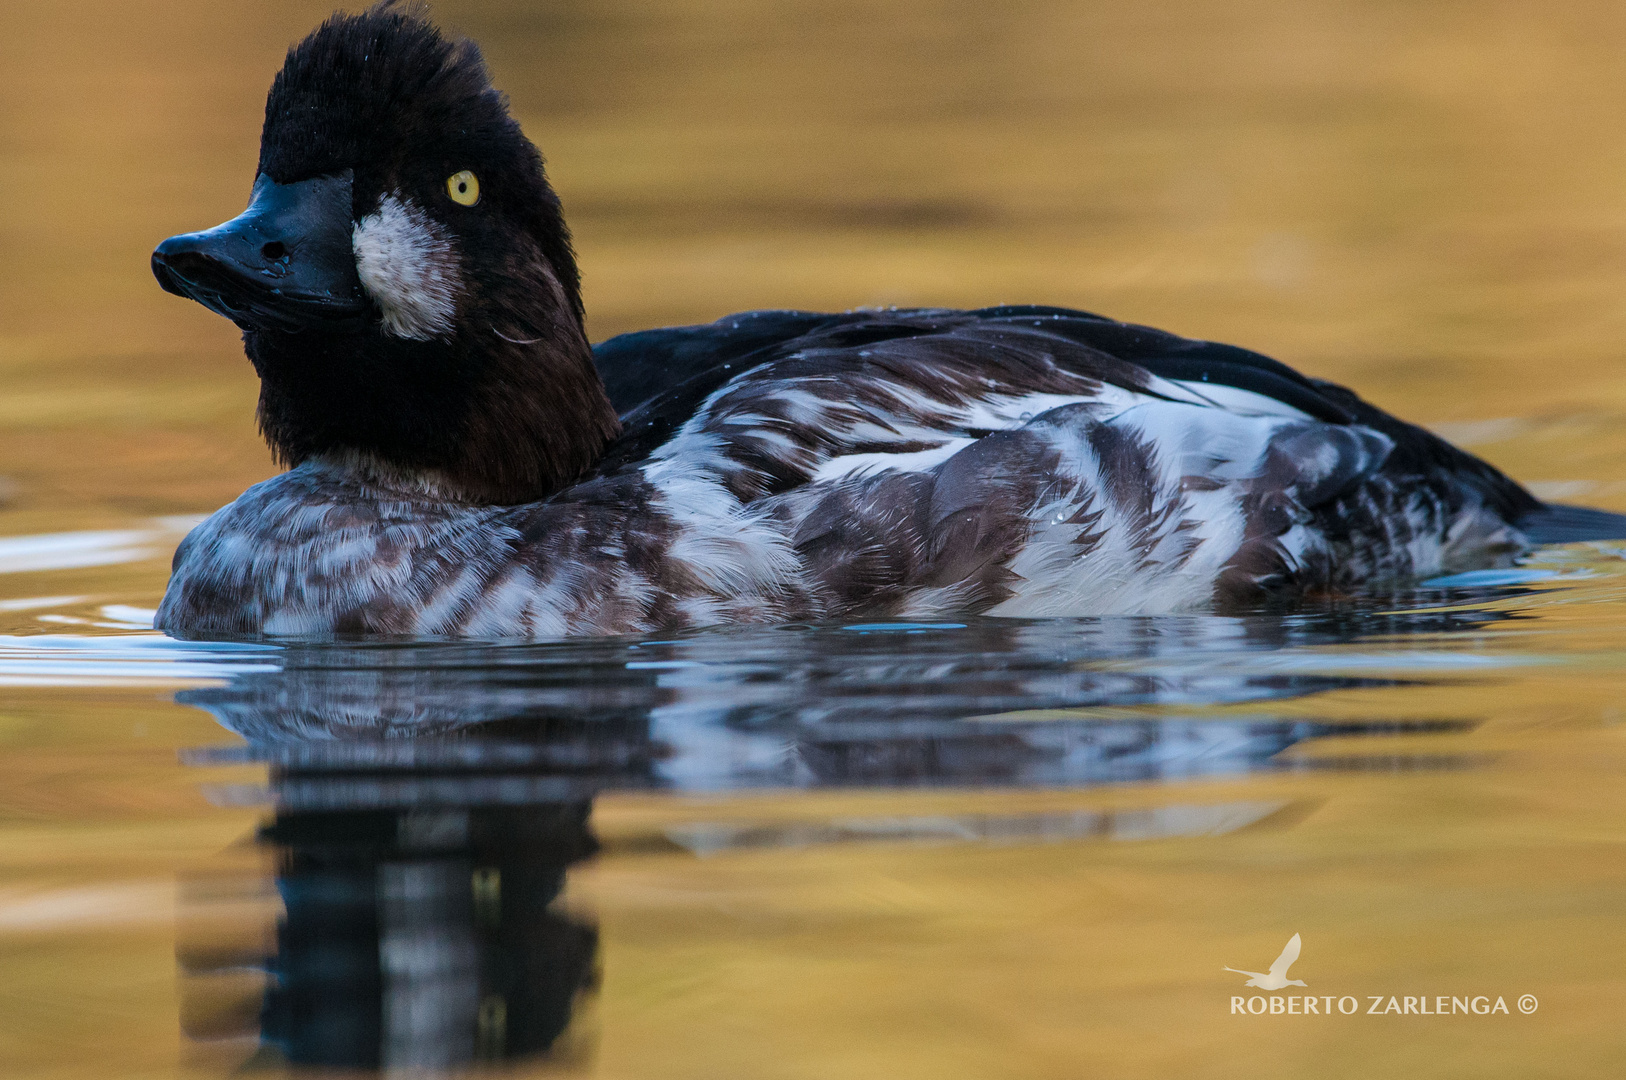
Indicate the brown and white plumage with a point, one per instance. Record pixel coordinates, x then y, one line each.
463 464
886 463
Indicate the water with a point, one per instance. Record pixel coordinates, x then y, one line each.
963 848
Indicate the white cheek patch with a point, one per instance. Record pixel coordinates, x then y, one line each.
409 266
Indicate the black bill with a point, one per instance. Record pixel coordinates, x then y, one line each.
285 263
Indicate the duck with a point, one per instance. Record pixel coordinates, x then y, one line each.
461 462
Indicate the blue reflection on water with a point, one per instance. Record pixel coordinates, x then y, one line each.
984 702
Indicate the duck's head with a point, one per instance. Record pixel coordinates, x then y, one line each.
403 276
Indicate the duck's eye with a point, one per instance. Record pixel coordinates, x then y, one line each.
463 187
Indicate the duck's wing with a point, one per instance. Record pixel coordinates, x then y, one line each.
659 379
1286 960
645 364
875 433
1204 364
898 452
1419 458
760 378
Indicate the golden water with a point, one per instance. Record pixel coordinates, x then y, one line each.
1426 201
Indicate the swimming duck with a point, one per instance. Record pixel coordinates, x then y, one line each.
462 462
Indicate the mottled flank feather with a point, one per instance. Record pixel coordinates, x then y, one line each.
791 466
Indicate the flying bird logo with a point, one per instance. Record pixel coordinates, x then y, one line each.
1276 978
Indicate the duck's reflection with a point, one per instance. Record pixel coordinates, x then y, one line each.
426 938
992 701
430 798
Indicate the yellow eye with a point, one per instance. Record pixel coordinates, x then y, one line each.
463 187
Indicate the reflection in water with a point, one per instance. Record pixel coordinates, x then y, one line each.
986 702
430 797
1144 823
426 937
415 937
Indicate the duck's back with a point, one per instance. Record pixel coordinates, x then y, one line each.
658 379
1035 460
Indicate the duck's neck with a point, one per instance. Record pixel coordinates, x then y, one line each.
501 414
375 478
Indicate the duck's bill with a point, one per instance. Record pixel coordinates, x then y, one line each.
285 263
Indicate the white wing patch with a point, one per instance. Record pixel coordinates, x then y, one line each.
852 465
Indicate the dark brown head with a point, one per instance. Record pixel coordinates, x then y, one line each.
403 276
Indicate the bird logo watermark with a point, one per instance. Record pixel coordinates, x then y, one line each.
1276 978
1275 1004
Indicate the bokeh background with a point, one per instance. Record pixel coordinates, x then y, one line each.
1425 199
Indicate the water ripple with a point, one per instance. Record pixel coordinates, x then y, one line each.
146 658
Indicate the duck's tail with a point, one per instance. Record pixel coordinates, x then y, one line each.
1555 523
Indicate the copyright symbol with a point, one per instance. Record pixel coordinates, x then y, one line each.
1527 1004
